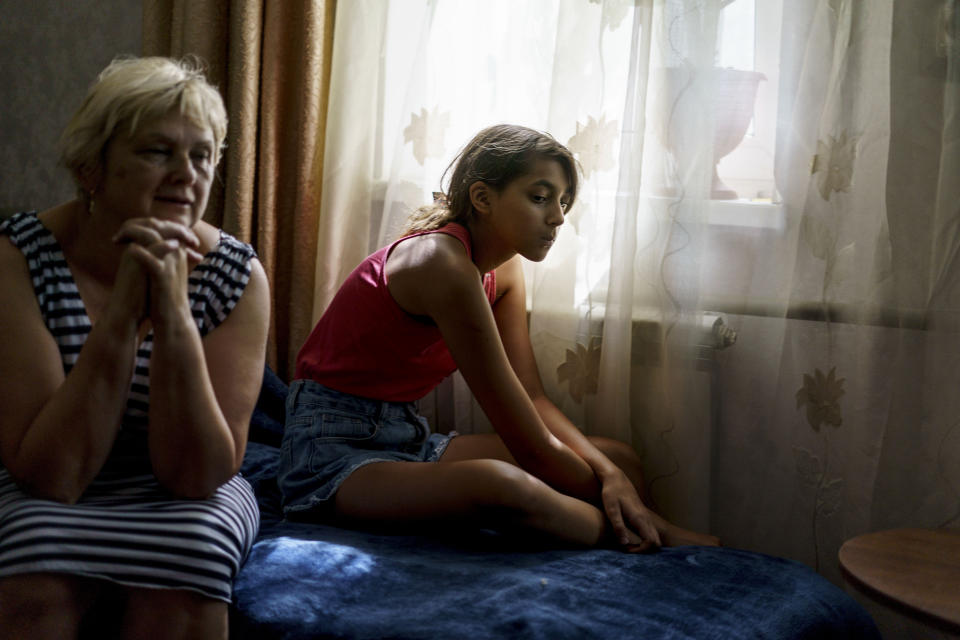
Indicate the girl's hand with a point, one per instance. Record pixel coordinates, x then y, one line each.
630 519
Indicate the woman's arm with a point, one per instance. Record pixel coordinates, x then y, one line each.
203 391
617 495
56 431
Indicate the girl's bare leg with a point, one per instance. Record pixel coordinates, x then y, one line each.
44 605
489 445
173 614
484 493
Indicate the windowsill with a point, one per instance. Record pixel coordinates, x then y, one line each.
743 212
755 214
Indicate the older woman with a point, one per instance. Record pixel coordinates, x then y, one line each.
132 338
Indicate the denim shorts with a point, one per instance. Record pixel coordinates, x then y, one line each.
330 434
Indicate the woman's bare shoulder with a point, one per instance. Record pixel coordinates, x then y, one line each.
13 264
208 235
20 317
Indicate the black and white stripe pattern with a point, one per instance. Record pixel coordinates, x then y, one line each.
126 528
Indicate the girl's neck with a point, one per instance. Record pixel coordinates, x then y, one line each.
489 251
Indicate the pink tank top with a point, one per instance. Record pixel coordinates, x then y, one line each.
366 345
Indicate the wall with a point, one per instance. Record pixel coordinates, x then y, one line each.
51 51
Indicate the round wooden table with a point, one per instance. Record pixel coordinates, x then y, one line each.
916 569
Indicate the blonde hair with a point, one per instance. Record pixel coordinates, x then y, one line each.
131 91
496 156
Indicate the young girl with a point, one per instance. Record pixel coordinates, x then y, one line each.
449 294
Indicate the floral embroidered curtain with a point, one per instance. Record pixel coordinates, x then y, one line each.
781 347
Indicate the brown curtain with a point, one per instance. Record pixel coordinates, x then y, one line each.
271 62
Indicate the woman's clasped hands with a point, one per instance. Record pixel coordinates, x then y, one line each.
154 267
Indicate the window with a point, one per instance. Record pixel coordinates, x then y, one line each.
749 39
449 67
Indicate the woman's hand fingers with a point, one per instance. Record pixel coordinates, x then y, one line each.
130 286
149 231
167 265
164 268
152 257
194 257
146 257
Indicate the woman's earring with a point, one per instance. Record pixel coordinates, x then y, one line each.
90 203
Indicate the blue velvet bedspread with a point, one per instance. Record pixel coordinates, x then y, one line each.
317 581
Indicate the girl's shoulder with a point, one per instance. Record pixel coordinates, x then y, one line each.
432 272
429 252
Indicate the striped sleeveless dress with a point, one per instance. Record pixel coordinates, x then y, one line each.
126 528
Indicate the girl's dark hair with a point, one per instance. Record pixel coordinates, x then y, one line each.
497 155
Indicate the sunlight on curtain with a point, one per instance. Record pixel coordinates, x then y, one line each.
615 314
797 195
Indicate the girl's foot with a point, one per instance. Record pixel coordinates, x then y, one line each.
673 536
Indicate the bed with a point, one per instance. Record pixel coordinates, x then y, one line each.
316 581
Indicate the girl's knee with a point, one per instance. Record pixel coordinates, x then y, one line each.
617 450
503 486
518 502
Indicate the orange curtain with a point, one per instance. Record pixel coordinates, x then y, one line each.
271 62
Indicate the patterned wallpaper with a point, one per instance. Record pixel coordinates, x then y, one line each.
51 51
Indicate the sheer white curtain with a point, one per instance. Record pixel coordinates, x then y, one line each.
839 405
834 412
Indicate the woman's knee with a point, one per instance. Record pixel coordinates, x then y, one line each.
181 614
41 605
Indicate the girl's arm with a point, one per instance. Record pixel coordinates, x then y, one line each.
432 276
56 430
202 391
616 493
